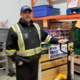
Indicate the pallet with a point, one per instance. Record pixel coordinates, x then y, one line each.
73 11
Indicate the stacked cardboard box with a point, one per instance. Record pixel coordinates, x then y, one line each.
77 63
56 25
69 25
63 25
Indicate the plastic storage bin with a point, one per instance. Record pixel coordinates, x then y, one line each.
73 11
43 10
56 11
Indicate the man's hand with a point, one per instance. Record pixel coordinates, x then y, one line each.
20 63
62 41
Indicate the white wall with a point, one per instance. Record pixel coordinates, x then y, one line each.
25 2
10 10
39 2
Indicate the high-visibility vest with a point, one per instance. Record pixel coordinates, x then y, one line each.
22 51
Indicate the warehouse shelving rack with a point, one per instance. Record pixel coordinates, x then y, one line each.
55 18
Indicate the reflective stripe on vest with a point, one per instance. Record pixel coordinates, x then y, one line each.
29 52
47 39
22 51
20 37
10 52
38 29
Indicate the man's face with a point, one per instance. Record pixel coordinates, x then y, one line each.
26 15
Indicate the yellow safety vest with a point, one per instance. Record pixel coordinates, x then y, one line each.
22 51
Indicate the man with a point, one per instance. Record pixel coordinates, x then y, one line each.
23 45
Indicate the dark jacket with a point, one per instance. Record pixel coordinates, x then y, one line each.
31 42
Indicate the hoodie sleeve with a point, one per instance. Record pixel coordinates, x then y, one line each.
12 46
47 38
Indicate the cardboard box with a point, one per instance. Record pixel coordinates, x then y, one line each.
76 67
67 25
73 3
76 59
56 26
71 34
77 63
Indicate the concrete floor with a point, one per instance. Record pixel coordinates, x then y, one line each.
77 77
4 77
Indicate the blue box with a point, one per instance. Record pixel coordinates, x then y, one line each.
73 11
56 11
48 31
43 10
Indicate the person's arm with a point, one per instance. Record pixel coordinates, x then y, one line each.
47 38
11 46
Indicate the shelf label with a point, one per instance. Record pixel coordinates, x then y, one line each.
45 23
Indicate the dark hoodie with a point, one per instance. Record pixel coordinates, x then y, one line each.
31 43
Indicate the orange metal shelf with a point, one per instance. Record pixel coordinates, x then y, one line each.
56 18
61 17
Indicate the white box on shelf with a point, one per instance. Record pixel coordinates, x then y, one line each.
54 51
